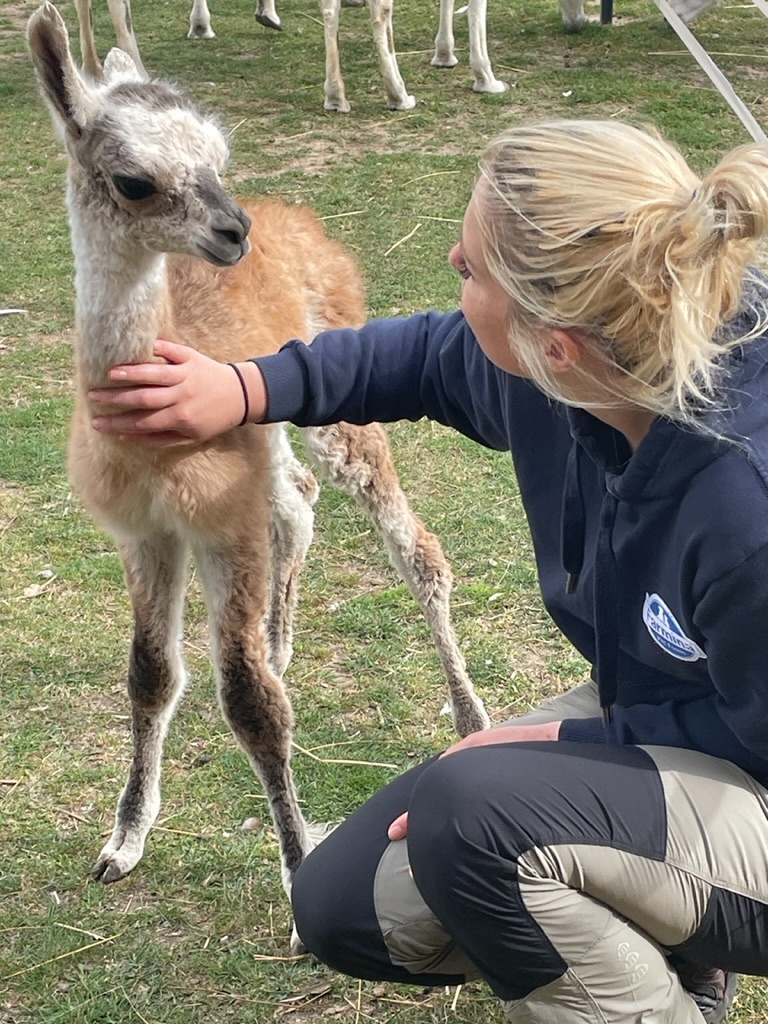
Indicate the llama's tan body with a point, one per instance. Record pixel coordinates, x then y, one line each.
145 204
231 313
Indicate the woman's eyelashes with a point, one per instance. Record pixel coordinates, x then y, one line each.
461 268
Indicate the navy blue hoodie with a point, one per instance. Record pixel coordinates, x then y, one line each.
653 564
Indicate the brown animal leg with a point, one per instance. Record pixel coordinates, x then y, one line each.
251 695
155 573
294 492
358 461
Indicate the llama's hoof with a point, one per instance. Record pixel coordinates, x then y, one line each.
491 85
117 859
447 60
297 946
109 869
268 22
469 718
201 32
339 105
402 103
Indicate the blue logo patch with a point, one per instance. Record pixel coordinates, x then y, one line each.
666 631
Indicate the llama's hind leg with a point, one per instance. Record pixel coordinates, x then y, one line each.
252 697
358 461
155 571
294 492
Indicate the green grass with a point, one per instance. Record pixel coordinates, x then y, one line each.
198 932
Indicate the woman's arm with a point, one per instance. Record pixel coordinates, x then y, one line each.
188 396
543 731
425 365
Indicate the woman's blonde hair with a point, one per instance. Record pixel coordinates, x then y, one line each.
602 227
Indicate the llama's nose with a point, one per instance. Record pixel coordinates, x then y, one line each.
229 222
233 225
233 237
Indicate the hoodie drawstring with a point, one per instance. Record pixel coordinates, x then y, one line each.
572 520
606 605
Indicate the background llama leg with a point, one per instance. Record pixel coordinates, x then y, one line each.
358 461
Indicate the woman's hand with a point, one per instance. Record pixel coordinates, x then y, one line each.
485 738
189 396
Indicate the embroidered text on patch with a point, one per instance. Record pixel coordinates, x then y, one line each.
666 630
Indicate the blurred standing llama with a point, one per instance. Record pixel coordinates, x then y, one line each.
162 250
383 37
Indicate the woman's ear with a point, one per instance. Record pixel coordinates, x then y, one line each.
564 350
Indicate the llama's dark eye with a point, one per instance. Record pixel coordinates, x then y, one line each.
133 188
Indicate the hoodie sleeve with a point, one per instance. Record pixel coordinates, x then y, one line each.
425 365
732 721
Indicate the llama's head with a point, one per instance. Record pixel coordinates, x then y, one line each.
143 162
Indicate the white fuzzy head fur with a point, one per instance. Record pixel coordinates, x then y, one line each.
143 180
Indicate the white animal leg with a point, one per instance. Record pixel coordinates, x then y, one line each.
383 37
485 80
266 15
294 492
573 14
120 13
335 98
200 26
445 56
155 571
88 55
358 461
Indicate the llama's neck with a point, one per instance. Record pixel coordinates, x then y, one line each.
122 299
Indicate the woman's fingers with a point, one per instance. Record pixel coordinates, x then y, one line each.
399 827
138 397
135 422
172 351
148 374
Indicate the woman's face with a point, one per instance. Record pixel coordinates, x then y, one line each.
484 302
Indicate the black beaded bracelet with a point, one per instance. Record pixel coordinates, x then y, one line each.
240 377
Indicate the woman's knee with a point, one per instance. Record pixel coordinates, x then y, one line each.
373 925
330 910
448 811
333 893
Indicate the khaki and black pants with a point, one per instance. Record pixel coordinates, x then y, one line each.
561 873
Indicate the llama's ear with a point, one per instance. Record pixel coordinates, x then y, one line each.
119 67
72 101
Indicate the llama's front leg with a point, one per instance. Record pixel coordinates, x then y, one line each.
88 56
573 14
251 695
120 12
200 26
358 461
445 54
154 569
335 97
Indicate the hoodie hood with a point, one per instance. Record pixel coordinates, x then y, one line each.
661 469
